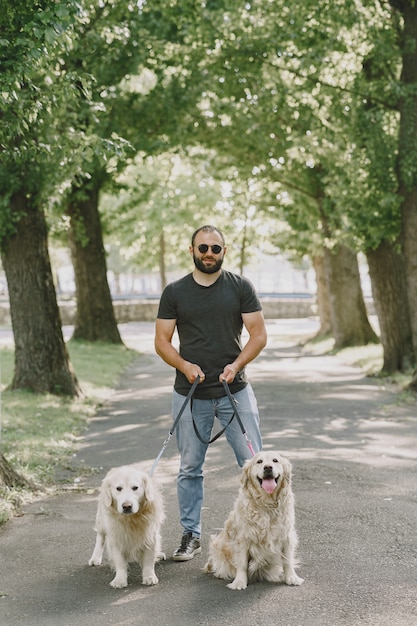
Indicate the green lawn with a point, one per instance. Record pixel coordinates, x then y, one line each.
39 432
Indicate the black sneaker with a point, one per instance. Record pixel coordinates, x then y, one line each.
189 547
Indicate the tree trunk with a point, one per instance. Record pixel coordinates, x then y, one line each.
323 298
243 246
350 324
41 359
9 478
413 384
162 269
387 272
407 157
95 318
409 246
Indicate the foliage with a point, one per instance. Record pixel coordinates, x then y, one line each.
35 93
279 108
273 93
279 122
287 125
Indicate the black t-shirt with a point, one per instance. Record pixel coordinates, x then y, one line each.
209 325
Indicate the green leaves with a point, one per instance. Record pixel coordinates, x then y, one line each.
304 101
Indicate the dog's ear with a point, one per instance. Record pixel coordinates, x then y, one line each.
148 488
105 494
245 475
286 464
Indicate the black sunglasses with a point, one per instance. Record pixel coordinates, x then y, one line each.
203 248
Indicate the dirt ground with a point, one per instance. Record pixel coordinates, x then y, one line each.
353 446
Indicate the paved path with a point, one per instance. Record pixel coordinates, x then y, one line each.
354 452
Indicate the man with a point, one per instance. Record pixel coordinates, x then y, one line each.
209 308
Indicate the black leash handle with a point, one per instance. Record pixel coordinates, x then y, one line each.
186 401
213 439
220 433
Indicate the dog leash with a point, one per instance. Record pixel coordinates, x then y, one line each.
242 428
235 414
171 432
219 434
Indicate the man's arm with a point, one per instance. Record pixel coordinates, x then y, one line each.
164 331
255 325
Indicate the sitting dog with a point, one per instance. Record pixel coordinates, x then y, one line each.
258 540
128 522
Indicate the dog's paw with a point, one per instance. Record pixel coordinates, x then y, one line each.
237 584
293 579
119 582
151 579
207 568
161 556
95 561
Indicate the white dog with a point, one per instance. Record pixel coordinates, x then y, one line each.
258 540
128 522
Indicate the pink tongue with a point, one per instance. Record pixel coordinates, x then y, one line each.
268 484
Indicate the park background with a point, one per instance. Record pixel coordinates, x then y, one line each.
126 125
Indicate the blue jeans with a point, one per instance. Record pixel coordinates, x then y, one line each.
193 452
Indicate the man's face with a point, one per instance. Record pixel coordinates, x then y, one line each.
206 259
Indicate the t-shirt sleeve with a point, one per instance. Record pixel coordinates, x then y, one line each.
167 309
250 301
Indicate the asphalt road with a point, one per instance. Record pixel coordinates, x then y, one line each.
353 447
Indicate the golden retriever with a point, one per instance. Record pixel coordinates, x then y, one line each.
258 540
128 522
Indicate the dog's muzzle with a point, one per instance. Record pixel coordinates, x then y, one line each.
268 482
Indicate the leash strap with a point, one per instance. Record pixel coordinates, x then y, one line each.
213 439
220 433
171 432
242 428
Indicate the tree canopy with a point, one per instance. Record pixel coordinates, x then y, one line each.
292 124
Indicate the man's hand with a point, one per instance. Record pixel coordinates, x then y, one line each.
229 373
191 371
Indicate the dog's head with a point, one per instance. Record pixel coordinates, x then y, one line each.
126 489
267 473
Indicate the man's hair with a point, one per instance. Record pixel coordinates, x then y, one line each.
207 229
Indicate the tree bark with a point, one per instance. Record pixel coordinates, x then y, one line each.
95 318
407 157
323 298
409 240
413 383
41 359
387 272
350 324
10 478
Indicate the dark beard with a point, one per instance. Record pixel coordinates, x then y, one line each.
212 269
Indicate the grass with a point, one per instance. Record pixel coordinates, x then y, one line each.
369 357
39 433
